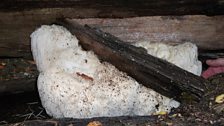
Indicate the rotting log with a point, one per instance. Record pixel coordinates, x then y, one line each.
122 7
206 32
17 86
152 72
101 121
19 18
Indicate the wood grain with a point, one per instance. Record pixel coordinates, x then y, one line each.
206 32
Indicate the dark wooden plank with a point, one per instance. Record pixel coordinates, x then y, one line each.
17 86
20 17
133 7
152 72
202 30
101 121
206 32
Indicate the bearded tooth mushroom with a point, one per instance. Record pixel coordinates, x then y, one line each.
74 83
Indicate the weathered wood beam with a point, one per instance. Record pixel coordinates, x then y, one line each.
152 72
104 121
17 86
130 7
206 32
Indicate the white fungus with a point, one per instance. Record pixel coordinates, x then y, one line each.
74 83
184 55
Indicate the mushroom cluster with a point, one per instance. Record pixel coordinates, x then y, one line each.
74 83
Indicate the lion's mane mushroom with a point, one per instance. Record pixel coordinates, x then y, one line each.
74 83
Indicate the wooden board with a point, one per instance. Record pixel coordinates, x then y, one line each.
118 8
206 32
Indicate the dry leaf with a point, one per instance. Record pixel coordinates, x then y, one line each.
219 98
95 123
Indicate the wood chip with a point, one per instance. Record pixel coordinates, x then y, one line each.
95 123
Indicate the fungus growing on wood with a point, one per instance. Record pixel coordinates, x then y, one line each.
75 83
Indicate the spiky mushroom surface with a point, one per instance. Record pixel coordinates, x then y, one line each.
74 83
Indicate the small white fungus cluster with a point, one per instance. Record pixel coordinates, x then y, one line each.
184 55
74 83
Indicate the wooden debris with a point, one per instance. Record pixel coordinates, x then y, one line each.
100 121
152 72
199 119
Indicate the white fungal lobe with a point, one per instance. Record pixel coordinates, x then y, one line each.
184 55
74 83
